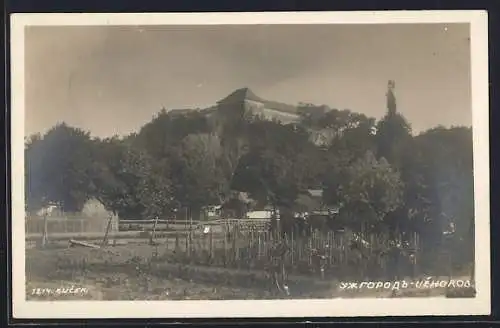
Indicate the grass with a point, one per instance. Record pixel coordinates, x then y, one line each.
120 277
135 272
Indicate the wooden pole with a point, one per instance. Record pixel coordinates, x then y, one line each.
190 231
310 248
258 246
330 244
233 245
211 244
166 240
225 242
108 226
45 232
152 236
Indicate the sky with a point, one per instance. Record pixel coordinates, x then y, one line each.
112 79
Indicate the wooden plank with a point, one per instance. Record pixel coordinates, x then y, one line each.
73 242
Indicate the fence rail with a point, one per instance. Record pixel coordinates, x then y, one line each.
187 222
322 253
68 224
174 225
248 243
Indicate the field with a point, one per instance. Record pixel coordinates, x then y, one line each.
123 275
136 270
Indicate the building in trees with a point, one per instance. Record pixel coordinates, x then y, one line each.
244 101
249 103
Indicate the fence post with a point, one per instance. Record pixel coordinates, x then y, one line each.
108 226
299 246
309 257
258 246
211 244
152 236
190 232
167 240
45 232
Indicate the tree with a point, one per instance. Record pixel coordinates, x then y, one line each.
127 181
199 173
393 132
57 168
162 135
35 198
367 191
448 176
277 164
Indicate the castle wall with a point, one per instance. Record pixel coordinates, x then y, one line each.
258 108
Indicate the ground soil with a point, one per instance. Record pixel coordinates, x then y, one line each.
140 272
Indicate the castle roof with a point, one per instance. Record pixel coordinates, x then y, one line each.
243 94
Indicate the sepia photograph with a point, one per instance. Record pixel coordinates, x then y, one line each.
250 165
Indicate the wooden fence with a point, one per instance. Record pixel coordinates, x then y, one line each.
332 253
187 225
69 224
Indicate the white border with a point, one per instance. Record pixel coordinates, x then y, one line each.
282 308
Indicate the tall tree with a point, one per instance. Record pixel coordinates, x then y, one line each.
57 168
160 137
367 191
129 182
199 173
393 130
276 166
448 174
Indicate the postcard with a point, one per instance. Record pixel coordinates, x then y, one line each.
244 165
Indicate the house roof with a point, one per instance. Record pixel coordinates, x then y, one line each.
243 94
316 192
240 95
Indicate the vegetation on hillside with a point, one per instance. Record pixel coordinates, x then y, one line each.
376 173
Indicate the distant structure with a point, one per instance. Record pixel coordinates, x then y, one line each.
93 218
391 98
250 103
244 102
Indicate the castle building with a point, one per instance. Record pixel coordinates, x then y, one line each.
243 101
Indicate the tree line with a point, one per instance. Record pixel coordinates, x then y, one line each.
376 173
